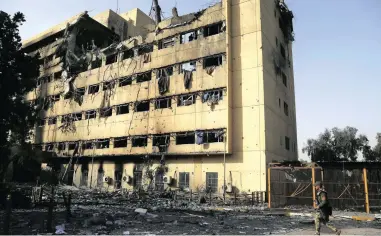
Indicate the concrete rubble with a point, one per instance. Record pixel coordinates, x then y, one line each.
100 213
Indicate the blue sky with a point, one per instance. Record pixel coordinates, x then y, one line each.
337 54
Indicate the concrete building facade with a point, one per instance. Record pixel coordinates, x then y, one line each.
188 103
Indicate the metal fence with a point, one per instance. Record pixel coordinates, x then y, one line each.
349 187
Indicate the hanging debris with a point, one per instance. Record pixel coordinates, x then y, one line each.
285 21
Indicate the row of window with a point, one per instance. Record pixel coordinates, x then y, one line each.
142 49
161 141
161 103
212 61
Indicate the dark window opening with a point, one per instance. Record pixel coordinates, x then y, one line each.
41 122
120 142
167 71
39 81
37 147
166 43
186 100
96 63
111 59
103 143
57 75
282 51
188 66
87 145
184 180
68 95
145 49
285 106
128 54
142 106
49 58
108 85
279 102
139 141
143 77
162 140
77 116
52 120
287 142
212 181
213 29
122 109
93 89
185 138
163 103
49 147
106 112
125 81
213 136
92 114
61 146
284 78
213 61
72 146
188 37
55 98
46 79
79 92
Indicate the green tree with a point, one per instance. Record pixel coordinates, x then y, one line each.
375 153
18 73
338 145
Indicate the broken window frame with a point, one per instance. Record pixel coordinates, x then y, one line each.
93 89
161 140
211 182
52 120
120 109
208 63
72 145
55 98
185 138
182 99
144 77
80 92
120 142
90 114
136 139
213 29
61 146
285 108
102 144
139 103
108 85
165 71
88 145
49 147
183 180
190 66
216 93
110 59
96 63
210 136
166 102
143 49
184 37
167 42
105 112
124 81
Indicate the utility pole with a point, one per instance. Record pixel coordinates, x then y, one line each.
157 9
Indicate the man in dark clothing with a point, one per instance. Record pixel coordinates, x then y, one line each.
324 210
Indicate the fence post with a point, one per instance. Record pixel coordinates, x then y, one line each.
252 198
269 187
313 187
366 191
191 195
8 211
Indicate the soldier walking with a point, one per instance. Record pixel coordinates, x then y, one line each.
324 210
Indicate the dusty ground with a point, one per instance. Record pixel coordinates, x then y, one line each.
121 220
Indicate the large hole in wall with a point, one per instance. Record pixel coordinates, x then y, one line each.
140 141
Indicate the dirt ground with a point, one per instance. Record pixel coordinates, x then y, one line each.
111 220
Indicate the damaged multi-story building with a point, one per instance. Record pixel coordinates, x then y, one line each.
198 101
